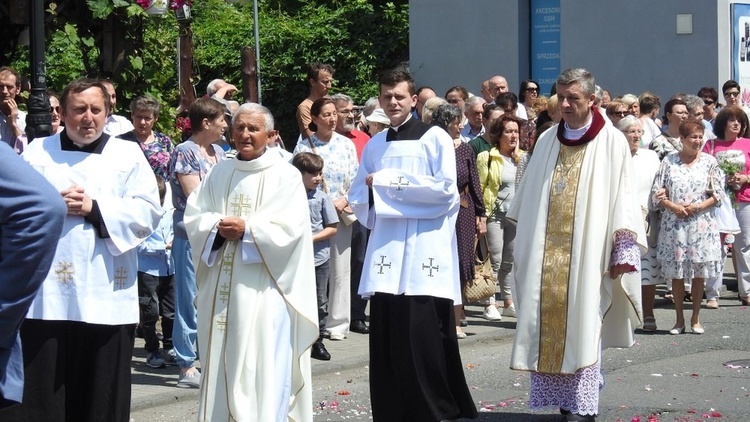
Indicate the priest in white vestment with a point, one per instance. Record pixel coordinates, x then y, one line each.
78 336
249 225
405 192
577 254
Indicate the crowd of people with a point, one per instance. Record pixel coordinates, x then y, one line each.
251 256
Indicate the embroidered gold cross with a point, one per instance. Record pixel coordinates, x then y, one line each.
227 263
65 272
221 323
224 293
121 277
241 205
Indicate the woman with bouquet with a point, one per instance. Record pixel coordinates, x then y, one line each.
732 152
688 247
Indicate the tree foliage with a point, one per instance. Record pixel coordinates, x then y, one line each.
359 38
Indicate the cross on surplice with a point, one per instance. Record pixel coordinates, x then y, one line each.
382 264
65 272
400 183
431 267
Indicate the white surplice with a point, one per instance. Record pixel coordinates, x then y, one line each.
94 280
598 307
257 314
412 246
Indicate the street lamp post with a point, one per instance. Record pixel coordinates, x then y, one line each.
38 119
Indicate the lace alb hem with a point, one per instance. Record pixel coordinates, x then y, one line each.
577 393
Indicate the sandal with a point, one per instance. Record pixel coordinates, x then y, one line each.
649 324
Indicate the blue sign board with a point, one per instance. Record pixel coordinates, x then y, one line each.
545 43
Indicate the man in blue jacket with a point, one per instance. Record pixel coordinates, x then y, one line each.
31 220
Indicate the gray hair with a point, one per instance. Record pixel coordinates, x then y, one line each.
580 76
473 101
255 108
626 122
371 104
629 99
598 92
145 103
341 98
445 114
429 107
693 101
211 87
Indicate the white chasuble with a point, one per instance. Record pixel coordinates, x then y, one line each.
94 279
568 207
412 246
257 313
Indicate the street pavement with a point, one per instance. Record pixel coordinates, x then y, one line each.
660 378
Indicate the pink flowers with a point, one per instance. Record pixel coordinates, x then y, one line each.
177 4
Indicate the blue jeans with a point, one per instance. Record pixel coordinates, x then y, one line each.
185 331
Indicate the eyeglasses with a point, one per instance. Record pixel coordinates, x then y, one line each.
532 89
732 94
708 102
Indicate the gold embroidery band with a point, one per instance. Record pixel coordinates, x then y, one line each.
556 261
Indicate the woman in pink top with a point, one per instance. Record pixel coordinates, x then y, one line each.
732 149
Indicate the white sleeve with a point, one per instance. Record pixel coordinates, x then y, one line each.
250 252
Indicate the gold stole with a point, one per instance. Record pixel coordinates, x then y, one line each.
557 255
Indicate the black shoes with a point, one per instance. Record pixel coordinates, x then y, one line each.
572 417
359 326
319 351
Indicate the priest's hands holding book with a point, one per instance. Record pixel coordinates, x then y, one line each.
231 228
77 201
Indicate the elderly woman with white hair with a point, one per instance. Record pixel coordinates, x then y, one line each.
429 107
632 103
471 215
646 165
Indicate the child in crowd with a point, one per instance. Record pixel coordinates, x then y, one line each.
323 219
156 287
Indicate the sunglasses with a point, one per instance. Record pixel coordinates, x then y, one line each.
708 102
56 109
532 89
731 94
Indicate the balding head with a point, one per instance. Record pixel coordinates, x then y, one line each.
498 85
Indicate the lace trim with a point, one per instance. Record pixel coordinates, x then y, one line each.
626 250
577 393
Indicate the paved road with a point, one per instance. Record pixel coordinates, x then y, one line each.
669 377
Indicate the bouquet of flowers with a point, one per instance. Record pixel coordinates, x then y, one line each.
730 168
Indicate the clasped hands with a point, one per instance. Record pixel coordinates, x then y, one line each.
679 210
77 201
231 228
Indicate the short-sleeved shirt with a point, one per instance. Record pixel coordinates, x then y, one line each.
341 164
187 159
322 214
157 153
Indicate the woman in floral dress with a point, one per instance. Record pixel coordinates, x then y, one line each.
687 186
156 146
